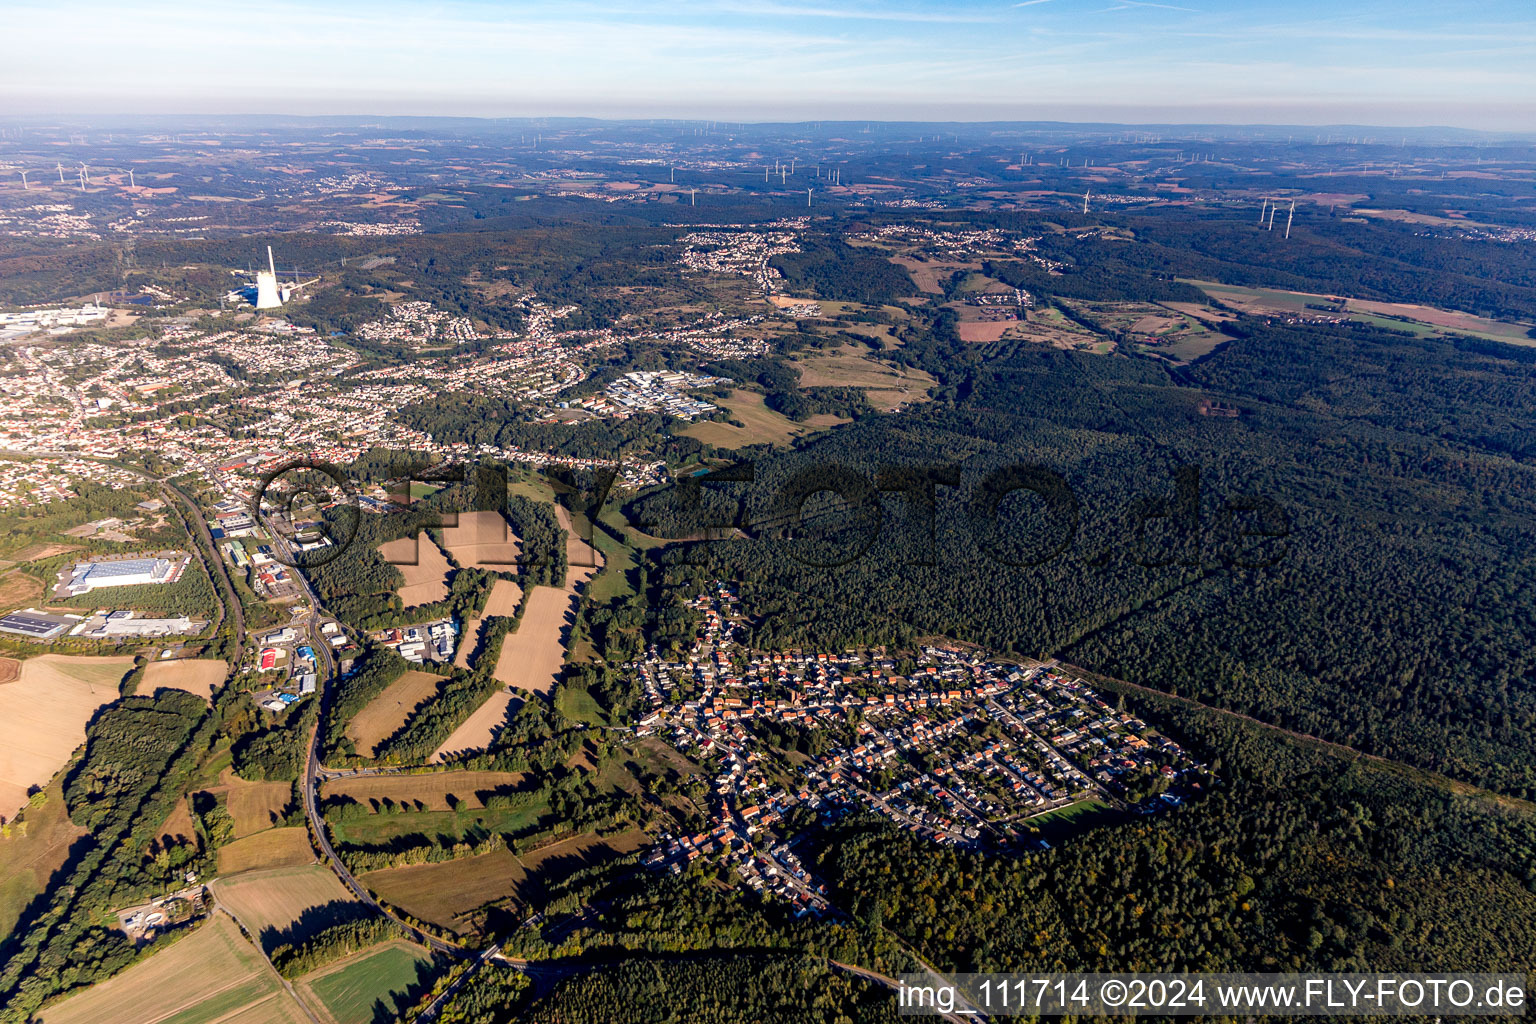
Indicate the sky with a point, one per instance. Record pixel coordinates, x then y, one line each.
1462 63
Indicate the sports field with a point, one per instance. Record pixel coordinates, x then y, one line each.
427 580
273 902
201 676
43 716
379 983
211 975
386 713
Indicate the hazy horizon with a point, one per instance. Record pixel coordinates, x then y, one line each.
1309 63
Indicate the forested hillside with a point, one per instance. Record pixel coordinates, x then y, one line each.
1385 465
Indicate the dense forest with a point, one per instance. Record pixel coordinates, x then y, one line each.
714 990
1086 506
835 270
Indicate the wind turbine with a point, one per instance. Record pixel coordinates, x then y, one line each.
1288 217
807 199
86 173
1263 209
24 185
61 172
1272 208
1085 200
693 197
130 179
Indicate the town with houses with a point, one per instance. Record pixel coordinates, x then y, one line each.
295 393
952 745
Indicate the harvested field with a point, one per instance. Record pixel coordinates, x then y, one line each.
1263 300
426 581
554 862
431 790
531 658
503 600
1204 314
30 856
10 668
211 975
448 894
254 806
258 806
274 848
483 540
37 552
282 904
482 726
387 712
583 558
200 676
43 716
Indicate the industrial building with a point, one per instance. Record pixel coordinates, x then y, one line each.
128 572
268 292
30 622
127 623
